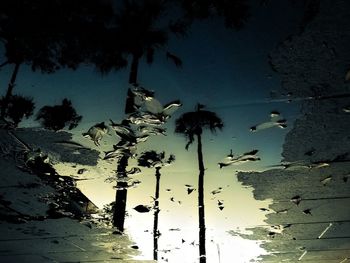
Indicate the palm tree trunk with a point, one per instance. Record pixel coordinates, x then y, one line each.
120 196
129 105
202 253
134 69
122 192
156 213
4 64
9 89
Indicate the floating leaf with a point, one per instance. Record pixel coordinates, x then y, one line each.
142 208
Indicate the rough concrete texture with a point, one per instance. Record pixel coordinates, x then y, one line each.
313 65
29 231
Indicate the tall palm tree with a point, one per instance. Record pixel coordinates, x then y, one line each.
191 124
152 159
134 35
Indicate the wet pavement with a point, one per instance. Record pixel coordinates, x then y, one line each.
30 232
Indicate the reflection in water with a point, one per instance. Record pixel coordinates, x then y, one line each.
245 206
191 125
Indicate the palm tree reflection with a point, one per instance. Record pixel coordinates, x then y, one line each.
152 159
191 124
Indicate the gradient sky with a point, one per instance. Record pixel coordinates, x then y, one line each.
226 70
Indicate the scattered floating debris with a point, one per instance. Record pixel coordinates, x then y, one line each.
216 191
347 76
144 118
292 165
142 93
125 133
326 180
120 151
319 165
142 208
301 257
71 144
307 211
283 211
310 152
152 130
324 231
221 205
134 170
264 209
278 229
190 188
271 234
81 171
136 96
296 199
155 107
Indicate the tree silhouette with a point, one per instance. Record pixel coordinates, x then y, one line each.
18 107
191 124
48 35
152 159
134 35
59 116
234 12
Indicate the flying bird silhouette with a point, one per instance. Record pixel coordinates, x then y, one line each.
216 191
142 208
155 107
275 121
221 205
152 130
246 157
264 209
96 133
190 189
136 97
134 170
145 118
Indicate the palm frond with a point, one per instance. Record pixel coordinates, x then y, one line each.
179 28
177 61
192 123
149 158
